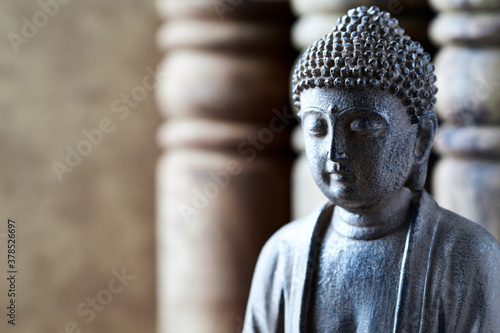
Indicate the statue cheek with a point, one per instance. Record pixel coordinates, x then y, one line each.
316 149
316 160
397 162
370 151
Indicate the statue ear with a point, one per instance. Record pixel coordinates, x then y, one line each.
425 138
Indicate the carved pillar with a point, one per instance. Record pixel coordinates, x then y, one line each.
223 179
467 178
316 18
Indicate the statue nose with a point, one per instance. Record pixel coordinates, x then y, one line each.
337 151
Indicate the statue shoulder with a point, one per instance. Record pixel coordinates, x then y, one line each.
288 246
467 235
469 251
279 262
293 237
466 273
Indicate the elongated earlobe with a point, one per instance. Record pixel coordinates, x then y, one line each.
425 138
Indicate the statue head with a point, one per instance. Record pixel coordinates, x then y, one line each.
365 92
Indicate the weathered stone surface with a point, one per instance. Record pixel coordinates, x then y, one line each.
317 18
306 194
380 255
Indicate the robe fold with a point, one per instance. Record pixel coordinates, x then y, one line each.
449 275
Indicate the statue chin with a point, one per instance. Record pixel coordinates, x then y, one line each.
366 204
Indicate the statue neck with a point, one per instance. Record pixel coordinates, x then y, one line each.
376 223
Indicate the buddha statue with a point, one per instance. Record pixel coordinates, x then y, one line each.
380 255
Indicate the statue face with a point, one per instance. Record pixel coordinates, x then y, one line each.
360 144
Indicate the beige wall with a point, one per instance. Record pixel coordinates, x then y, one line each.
72 234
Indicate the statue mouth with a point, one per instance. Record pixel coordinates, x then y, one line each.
341 176
338 172
337 168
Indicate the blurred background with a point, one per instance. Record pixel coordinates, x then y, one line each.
76 227
149 149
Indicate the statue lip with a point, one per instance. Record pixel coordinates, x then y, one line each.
341 176
340 173
337 168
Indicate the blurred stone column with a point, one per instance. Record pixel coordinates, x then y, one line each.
467 179
223 179
315 19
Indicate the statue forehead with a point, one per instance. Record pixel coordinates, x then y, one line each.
342 98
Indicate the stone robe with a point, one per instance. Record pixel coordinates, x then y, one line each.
449 276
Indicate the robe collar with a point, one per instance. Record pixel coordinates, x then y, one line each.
415 273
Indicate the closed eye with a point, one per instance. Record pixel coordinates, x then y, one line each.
315 124
368 124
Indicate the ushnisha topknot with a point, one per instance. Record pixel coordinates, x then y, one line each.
367 48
